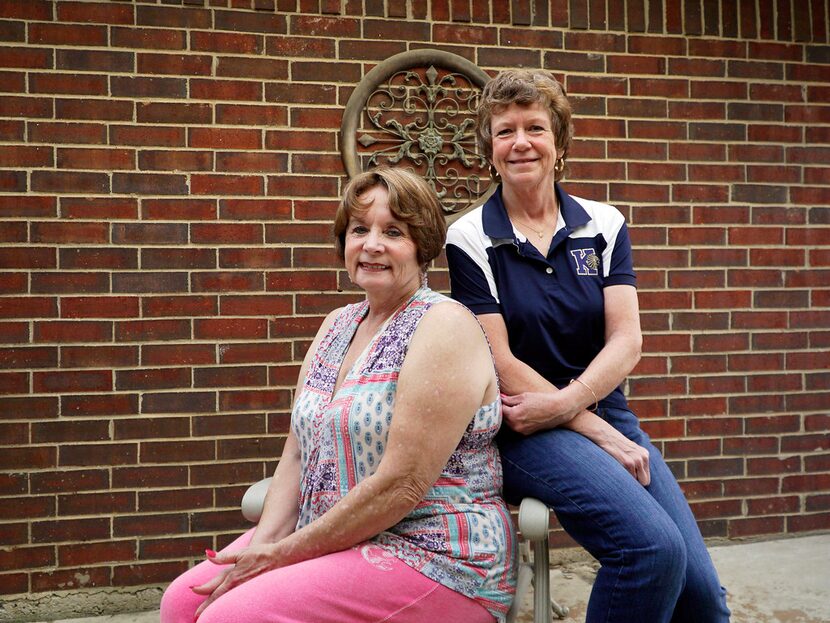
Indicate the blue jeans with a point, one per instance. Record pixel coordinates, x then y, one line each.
654 564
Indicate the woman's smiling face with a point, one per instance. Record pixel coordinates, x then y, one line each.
524 147
379 252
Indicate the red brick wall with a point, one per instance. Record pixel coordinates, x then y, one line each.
167 179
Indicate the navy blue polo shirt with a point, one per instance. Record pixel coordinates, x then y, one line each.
553 306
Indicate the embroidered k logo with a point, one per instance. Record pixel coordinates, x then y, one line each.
587 262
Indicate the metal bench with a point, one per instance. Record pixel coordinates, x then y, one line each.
533 565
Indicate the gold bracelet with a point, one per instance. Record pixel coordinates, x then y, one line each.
593 393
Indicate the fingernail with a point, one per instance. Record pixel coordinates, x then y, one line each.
210 553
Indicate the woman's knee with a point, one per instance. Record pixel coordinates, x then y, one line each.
179 602
664 554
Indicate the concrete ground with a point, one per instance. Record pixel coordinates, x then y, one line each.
782 581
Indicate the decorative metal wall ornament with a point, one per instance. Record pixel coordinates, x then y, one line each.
417 110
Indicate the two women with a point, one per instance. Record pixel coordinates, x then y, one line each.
386 503
551 279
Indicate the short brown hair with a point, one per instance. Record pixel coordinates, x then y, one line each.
525 87
411 201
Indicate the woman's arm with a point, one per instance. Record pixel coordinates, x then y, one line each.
533 403
445 378
280 509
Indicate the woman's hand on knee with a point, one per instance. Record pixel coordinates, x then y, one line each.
242 565
632 457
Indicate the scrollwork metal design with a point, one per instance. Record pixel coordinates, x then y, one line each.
421 115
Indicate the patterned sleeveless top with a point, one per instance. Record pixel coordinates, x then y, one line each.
460 535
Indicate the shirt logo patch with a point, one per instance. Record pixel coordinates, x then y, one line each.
587 262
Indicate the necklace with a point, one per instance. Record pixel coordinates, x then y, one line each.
540 233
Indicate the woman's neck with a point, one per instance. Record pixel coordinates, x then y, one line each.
382 305
536 203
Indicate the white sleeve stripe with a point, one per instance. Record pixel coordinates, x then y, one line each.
467 233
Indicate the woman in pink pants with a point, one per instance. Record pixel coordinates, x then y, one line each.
386 504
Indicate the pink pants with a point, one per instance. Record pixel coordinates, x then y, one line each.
359 585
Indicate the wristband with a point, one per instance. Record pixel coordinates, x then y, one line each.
593 393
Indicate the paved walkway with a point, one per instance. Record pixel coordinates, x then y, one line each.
782 581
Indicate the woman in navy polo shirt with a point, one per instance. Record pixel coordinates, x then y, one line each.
550 277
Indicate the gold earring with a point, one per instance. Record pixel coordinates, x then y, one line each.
559 166
494 175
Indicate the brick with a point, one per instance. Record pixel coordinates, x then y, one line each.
98 356
28 307
149 282
172 17
69 232
230 328
152 38
174 64
172 548
145 524
241 67
254 257
98 454
14 283
149 233
147 86
227 184
158 112
28 357
14 383
71 84
175 209
191 160
187 306
70 480
64 431
92 553
27 557
255 305
92 208
285 140
28 58
148 379
252 162
166 427
67 182
178 258
269 115
162 476
149 184
72 381
178 402
29 107
230 376
177 451
225 281
147 136
302 280
238 43
177 354
108 159
95 60
11 130
98 258
226 233
70 530
226 89
152 330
